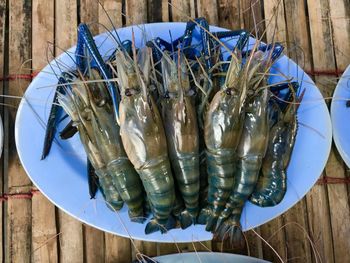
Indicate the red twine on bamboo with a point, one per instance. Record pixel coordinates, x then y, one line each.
309 72
324 72
19 76
29 195
322 181
333 180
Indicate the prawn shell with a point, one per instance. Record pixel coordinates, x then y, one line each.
272 185
251 149
180 122
222 130
145 144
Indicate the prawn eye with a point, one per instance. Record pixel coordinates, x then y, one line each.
101 103
132 91
128 92
229 91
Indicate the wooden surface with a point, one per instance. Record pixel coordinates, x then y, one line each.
316 34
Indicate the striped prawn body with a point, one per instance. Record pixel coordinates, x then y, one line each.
144 140
272 185
180 123
222 130
74 102
109 144
250 152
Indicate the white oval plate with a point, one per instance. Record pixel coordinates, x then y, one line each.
340 115
61 177
207 257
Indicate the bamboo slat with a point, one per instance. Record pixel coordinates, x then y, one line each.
136 12
229 14
180 10
44 242
340 210
209 10
153 7
274 234
275 21
253 244
165 11
148 249
113 9
297 33
252 15
89 14
118 249
19 221
205 246
172 248
319 221
298 246
340 18
323 59
94 245
71 241
2 74
71 232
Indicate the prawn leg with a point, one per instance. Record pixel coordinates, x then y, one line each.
92 180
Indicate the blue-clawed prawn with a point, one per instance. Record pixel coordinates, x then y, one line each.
272 186
180 122
222 130
252 145
75 103
143 137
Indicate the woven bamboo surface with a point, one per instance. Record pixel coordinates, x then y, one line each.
317 229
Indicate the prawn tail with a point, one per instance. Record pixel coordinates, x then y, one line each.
154 226
266 200
109 192
203 216
186 219
211 222
113 200
136 219
269 190
219 223
230 231
115 205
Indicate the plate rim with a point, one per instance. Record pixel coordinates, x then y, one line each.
345 156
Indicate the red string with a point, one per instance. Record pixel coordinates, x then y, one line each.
19 76
322 181
310 72
29 195
333 180
324 72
